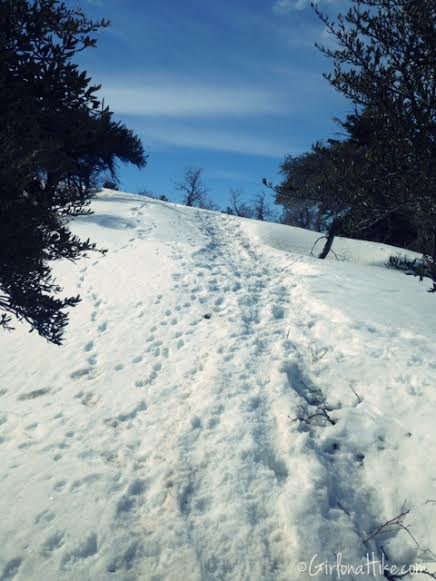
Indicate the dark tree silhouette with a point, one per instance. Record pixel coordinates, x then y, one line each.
237 206
262 210
195 193
56 140
385 64
192 187
382 175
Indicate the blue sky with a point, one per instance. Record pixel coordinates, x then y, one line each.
230 86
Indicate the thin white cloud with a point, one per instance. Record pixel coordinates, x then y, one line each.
182 100
305 38
162 137
285 6
328 40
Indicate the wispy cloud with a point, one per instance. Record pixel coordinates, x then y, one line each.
306 38
328 40
191 100
169 135
285 6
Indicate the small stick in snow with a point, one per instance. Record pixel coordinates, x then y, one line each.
393 525
318 356
359 399
287 266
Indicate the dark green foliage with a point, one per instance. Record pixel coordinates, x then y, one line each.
110 184
397 229
382 177
330 183
313 190
414 267
385 64
56 139
424 267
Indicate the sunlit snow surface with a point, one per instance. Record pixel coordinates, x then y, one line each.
170 437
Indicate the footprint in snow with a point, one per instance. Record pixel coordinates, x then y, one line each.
84 550
52 543
11 568
126 417
130 499
88 346
59 486
84 372
87 398
44 518
85 481
92 360
34 394
125 560
102 328
278 312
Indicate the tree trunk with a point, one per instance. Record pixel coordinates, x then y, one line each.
333 231
433 262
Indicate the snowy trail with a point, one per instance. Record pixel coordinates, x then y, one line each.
235 477
245 476
177 434
220 401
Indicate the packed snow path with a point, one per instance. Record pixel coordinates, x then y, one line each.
214 414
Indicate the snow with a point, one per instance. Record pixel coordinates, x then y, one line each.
169 437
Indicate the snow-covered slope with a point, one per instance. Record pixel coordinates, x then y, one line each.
224 407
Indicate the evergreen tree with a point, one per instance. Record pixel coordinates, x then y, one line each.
384 173
385 64
56 139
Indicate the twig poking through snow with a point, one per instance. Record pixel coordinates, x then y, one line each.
359 399
394 524
287 266
318 356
